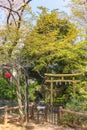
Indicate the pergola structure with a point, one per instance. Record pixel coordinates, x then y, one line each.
57 78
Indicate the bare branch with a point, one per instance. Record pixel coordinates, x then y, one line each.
10 9
9 12
24 5
22 10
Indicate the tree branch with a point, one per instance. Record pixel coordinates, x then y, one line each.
23 6
10 9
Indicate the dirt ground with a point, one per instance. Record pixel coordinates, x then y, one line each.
32 126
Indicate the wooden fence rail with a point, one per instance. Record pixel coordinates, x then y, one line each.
1 108
76 126
61 111
6 109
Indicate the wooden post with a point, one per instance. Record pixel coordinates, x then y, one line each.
5 116
62 78
37 116
74 84
74 87
60 112
51 98
46 114
32 112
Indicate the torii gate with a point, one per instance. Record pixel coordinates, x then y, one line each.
55 78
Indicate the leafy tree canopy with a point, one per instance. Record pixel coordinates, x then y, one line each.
51 46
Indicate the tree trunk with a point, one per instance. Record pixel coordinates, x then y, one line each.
19 97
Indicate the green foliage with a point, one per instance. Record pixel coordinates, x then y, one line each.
49 47
6 90
78 103
32 88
